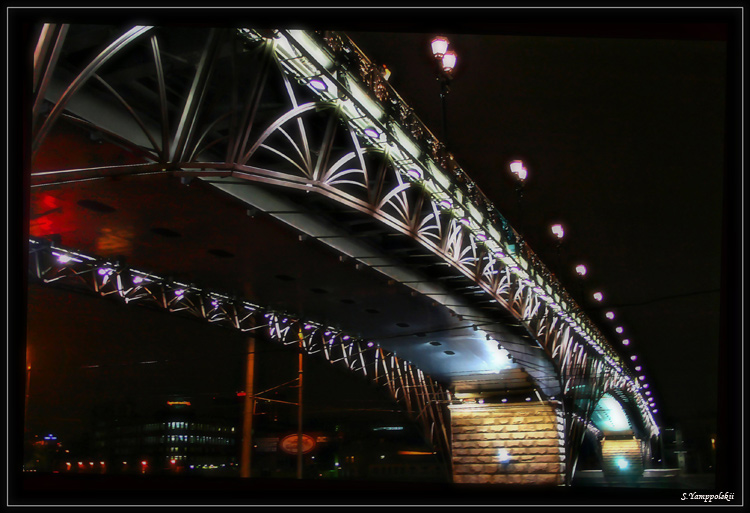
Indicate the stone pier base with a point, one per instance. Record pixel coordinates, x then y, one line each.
508 444
622 458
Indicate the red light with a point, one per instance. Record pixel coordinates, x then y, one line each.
241 394
173 461
144 463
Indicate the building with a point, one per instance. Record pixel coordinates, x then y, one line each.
176 438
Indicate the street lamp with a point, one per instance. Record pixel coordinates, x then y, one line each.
446 61
517 168
559 233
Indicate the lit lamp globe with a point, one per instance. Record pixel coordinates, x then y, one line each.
439 46
448 61
518 169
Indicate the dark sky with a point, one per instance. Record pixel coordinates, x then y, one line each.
624 138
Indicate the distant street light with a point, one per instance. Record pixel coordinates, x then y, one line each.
518 169
598 296
581 270
559 233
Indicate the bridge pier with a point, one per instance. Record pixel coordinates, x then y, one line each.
508 443
622 458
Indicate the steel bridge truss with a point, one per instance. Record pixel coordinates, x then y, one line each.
308 111
424 399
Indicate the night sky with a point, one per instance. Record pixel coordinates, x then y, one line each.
628 136
624 140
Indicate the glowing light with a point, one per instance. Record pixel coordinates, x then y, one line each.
656 411
372 133
528 399
581 269
414 174
504 400
178 403
318 84
645 386
449 61
622 463
346 337
610 315
104 271
370 344
626 342
634 358
172 461
619 329
64 258
503 456
642 378
557 230
638 368
598 296
179 292
439 46
517 168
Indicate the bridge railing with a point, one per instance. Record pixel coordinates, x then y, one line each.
333 52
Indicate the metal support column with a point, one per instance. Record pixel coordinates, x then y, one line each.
299 407
247 418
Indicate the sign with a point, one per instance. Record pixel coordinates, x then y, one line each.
288 444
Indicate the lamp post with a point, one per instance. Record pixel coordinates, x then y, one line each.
446 60
581 271
559 233
518 169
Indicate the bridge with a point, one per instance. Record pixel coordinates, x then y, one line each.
243 175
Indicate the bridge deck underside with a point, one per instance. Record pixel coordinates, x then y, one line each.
197 234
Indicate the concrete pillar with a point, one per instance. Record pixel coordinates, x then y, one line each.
508 443
622 458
